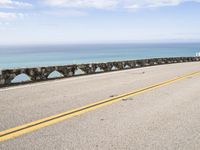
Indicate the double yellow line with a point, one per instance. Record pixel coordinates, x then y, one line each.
23 129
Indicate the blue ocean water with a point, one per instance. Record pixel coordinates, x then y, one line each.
45 55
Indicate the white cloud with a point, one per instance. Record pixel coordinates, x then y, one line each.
98 4
10 16
13 4
64 13
110 4
134 4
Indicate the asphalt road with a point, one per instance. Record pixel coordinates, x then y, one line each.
164 118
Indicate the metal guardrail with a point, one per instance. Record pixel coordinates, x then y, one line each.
42 73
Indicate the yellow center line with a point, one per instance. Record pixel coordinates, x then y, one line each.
26 128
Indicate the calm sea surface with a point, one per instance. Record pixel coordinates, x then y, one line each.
31 56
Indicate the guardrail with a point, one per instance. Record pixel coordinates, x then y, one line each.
42 73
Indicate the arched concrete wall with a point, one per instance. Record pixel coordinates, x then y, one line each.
42 73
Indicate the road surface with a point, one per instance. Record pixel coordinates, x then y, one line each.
167 117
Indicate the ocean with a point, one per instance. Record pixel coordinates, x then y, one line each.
46 55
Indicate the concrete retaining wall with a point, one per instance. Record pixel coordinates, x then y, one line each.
42 73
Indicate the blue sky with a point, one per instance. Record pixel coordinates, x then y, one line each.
98 21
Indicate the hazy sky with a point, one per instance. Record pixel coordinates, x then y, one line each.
98 21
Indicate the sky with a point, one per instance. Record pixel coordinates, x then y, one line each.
98 21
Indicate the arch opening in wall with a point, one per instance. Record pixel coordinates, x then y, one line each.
79 71
55 74
98 69
153 63
138 64
21 78
114 68
127 66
